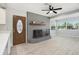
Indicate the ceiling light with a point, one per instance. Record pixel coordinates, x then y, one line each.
50 11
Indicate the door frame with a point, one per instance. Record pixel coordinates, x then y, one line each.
25 29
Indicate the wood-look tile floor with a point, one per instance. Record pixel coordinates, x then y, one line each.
56 46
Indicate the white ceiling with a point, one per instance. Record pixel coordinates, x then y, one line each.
37 7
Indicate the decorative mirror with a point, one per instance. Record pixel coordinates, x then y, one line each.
19 26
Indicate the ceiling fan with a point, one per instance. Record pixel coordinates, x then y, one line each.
51 9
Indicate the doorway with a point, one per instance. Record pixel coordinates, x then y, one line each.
19 29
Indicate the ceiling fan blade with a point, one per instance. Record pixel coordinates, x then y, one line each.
48 12
45 10
55 12
57 9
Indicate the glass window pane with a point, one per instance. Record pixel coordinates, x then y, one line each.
73 23
61 24
53 25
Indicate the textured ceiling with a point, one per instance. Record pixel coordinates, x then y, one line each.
37 7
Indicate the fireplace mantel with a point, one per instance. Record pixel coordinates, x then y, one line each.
36 23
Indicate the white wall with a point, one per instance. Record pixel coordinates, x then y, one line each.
9 21
68 33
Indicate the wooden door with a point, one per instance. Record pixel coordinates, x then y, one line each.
19 30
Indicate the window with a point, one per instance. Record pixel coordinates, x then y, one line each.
73 23
53 25
61 24
69 23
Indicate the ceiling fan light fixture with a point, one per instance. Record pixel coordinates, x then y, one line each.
50 11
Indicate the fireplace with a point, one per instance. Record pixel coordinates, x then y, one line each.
41 33
37 33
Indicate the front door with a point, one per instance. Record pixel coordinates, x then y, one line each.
19 30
